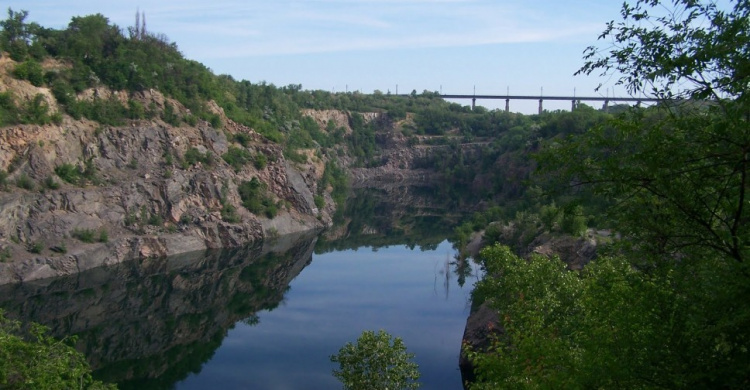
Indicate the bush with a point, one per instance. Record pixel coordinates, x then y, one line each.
35 111
237 157
35 247
319 201
229 213
242 139
155 220
84 235
33 359
376 362
31 71
68 172
251 195
260 161
193 155
25 182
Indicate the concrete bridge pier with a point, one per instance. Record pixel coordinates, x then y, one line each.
473 103
606 105
573 105
540 107
507 105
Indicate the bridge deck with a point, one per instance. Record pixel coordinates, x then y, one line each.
568 98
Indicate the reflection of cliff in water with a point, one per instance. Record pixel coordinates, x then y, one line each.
398 215
150 323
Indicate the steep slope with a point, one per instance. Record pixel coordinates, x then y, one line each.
80 194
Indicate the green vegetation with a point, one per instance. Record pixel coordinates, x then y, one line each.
25 182
335 177
35 247
5 255
376 361
193 156
669 300
254 198
51 183
3 180
237 157
90 235
34 360
667 307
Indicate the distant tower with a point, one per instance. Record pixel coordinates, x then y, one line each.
143 26
137 32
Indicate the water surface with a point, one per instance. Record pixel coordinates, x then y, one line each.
410 293
258 317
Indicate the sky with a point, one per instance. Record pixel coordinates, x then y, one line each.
525 47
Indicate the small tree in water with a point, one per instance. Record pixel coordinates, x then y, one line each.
376 362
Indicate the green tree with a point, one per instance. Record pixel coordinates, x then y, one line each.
15 35
39 361
672 311
377 361
678 171
609 326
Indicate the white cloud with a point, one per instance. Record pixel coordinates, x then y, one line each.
235 29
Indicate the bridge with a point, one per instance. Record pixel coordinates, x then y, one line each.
575 100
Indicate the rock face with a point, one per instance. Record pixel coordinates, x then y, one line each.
147 189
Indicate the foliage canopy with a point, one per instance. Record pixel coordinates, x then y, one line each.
670 310
377 361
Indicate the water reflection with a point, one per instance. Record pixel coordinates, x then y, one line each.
228 319
150 323
410 216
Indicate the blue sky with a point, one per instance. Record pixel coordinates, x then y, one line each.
452 46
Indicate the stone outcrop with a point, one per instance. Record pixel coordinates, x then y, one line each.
135 188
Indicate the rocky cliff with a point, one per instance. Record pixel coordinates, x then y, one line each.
80 194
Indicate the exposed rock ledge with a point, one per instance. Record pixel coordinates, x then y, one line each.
141 192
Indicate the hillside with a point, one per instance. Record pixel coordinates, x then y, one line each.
81 194
116 146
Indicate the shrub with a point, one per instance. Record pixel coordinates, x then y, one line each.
251 195
84 235
25 182
68 172
51 183
229 213
31 71
271 211
35 247
33 359
155 220
35 111
237 157
242 139
5 255
193 155
376 361
260 161
103 236
319 201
